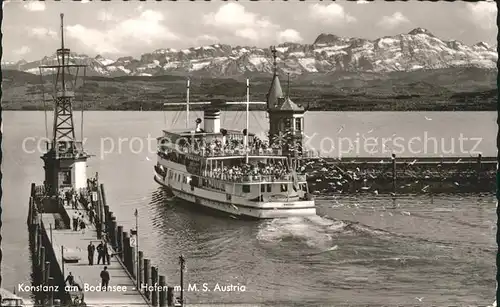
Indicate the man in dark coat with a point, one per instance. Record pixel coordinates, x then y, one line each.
105 279
90 251
100 253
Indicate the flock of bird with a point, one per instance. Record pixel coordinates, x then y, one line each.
343 177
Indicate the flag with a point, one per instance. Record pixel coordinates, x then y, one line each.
136 213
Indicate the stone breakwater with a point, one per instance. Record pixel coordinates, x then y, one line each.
401 175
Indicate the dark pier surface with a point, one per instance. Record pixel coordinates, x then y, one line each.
57 249
401 175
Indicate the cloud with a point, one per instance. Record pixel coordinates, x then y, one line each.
40 32
289 35
22 51
233 18
105 15
206 39
147 28
483 14
393 21
332 14
35 5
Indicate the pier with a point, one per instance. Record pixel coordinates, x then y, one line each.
57 250
69 211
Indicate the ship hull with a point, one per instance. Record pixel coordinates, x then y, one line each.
263 210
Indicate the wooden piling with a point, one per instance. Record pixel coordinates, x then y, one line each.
119 234
154 282
114 238
42 263
133 265
33 189
146 279
161 294
47 272
126 251
139 269
170 297
479 163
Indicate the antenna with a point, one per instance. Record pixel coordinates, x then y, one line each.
62 55
275 65
187 104
248 110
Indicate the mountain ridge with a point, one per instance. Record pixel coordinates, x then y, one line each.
418 49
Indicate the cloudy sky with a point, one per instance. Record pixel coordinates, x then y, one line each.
118 28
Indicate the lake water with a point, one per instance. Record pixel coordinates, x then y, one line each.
358 251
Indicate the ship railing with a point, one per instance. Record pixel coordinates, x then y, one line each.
260 178
228 152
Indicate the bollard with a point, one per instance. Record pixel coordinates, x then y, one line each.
119 240
161 294
154 282
139 269
170 297
146 279
114 239
133 265
42 263
106 214
47 272
126 251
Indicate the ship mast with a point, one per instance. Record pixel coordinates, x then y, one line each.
247 115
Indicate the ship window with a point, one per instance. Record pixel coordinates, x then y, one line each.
262 188
245 188
298 124
268 188
284 188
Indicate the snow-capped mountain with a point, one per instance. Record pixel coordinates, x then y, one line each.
418 49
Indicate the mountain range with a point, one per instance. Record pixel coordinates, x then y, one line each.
417 50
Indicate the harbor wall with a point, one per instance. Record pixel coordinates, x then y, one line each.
401 175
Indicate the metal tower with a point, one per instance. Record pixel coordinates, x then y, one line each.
65 159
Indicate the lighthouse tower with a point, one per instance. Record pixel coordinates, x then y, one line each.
65 161
286 118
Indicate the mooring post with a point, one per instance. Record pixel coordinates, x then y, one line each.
114 239
106 216
51 293
479 163
126 251
119 242
33 189
182 263
162 297
40 245
170 297
154 282
42 263
47 273
146 279
108 223
394 174
139 269
62 261
133 265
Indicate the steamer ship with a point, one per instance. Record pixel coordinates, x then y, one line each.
234 171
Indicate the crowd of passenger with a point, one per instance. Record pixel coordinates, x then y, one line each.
246 172
227 146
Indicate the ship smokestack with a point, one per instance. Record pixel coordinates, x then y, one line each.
212 120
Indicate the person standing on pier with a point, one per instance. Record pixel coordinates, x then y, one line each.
91 251
82 226
70 279
75 224
106 253
100 253
105 279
